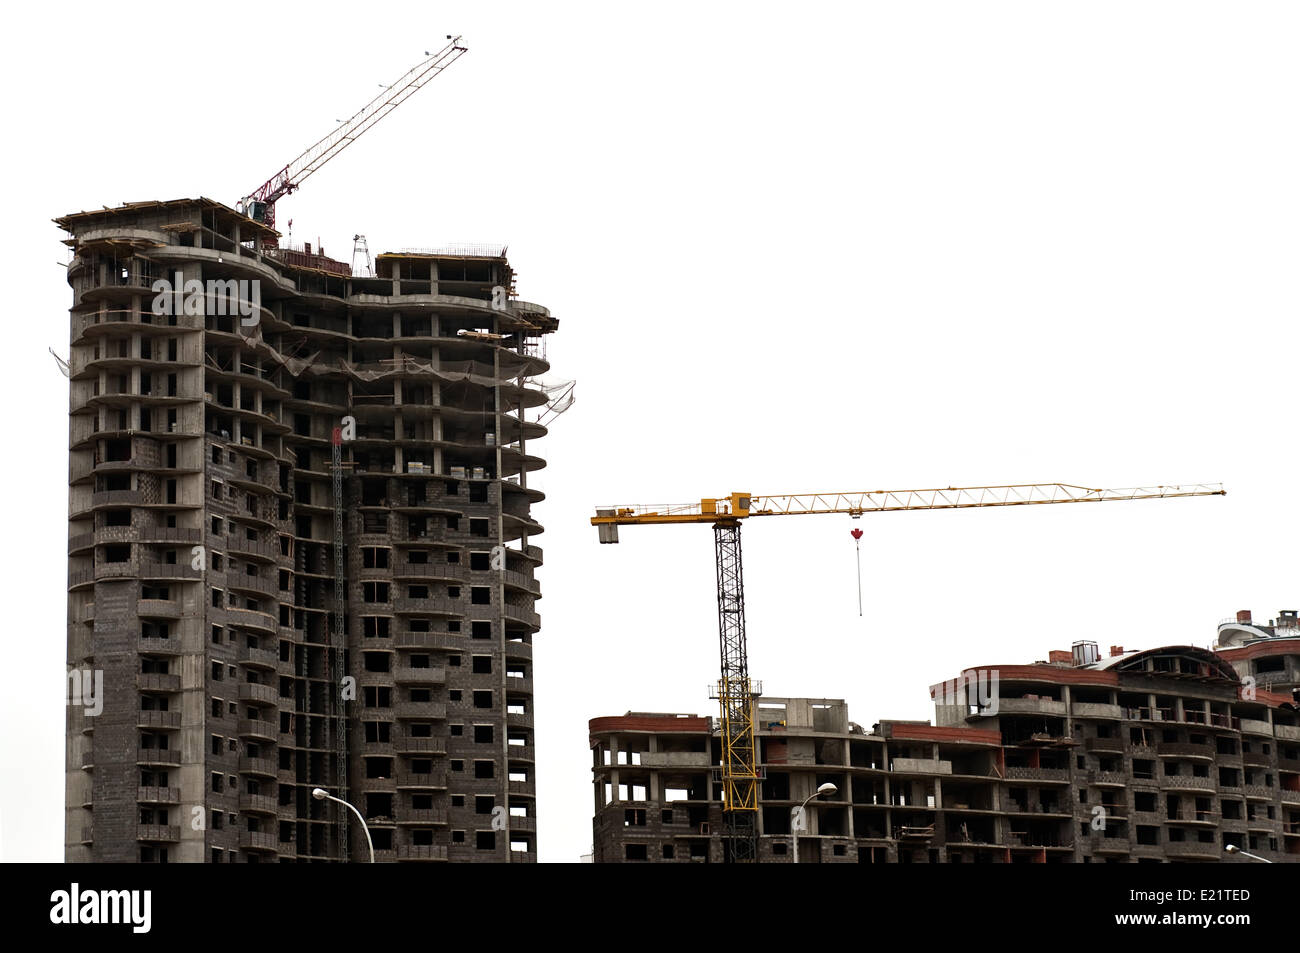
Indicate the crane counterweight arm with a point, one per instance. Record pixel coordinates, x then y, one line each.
738 506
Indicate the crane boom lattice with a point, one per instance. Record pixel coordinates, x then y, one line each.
260 203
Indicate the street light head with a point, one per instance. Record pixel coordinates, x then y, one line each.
827 788
319 794
1231 848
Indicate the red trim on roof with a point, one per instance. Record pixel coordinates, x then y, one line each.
935 733
1049 673
1290 647
1271 699
611 723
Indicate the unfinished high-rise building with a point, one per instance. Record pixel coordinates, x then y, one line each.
1170 754
241 416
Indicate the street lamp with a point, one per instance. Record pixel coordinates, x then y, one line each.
1234 849
796 814
321 795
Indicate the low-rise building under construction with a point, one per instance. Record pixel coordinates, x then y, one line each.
1167 754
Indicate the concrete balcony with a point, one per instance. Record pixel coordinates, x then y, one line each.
1183 782
1030 706
155 795
110 571
164 534
1108 779
430 640
239 546
260 841
147 646
1104 745
523 581
421 852
407 675
258 694
257 729
434 780
429 605
81 541
268 585
519 685
524 825
519 720
1195 818
1095 710
258 803
1099 843
1252 726
1260 792
259 658
1287 732
1270 679
117 498
158 719
520 614
435 711
262 767
1037 808
519 650
405 569
252 618
157 756
158 832
157 609
675 759
157 682
432 818
1038 774
157 570
406 745
1196 752
1193 850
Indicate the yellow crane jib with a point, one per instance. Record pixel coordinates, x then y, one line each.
739 506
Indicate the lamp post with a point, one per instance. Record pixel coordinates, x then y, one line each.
796 815
1234 849
320 794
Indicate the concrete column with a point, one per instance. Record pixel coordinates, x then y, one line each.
613 768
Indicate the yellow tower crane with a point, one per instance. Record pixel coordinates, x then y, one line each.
735 691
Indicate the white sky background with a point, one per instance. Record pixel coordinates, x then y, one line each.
792 248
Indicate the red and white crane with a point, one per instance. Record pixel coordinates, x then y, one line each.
260 203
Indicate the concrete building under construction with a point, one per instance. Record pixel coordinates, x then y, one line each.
1168 754
242 416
